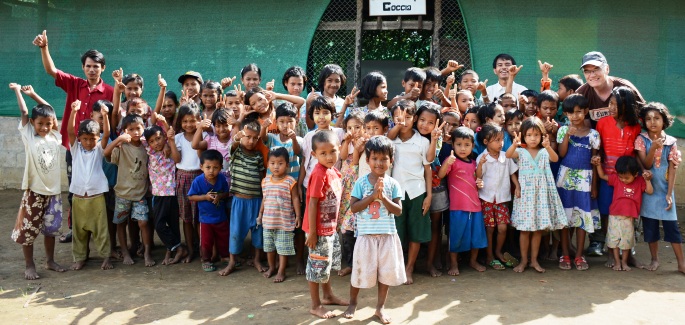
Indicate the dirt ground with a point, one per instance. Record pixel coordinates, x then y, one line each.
184 294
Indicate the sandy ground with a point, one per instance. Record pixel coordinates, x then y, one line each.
184 294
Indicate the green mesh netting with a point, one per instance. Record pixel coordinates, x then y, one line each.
216 38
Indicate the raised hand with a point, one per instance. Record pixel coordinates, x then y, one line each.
482 85
118 75
270 95
161 82
451 159
438 94
125 137
523 99
220 103
549 125
349 99
517 139
15 86
205 124
227 82
270 85
41 40
239 90
415 93
545 67
400 118
596 160
514 70
453 92
658 143
266 123
647 175
545 141
572 130
76 105
483 159
437 132
239 135
360 143
104 110
27 90
171 134
290 134
450 80
454 65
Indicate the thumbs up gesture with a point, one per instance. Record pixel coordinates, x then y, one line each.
41 40
451 159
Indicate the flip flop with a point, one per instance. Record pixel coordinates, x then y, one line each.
497 265
208 267
66 238
510 261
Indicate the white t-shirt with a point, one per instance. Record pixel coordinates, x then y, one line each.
190 160
87 177
496 178
410 159
495 90
42 173
310 161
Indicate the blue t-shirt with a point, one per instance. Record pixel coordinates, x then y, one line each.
274 140
110 169
210 213
376 219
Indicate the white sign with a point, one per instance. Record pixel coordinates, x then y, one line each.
397 7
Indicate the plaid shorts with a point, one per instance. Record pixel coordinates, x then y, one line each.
323 258
495 214
186 209
124 208
280 241
37 214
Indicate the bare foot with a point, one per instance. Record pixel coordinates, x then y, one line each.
349 313
78 265
333 300
653 266
477 266
345 271
552 256
267 274
610 263
520 268
625 267
300 268
181 252
167 258
106 264
228 269
434 272
189 258
128 260
258 265
454 270
322 312
51 265
410 276
148 260
116 254
617 267
380 313
30 273
141 250
681 268
280 277
537 267
634 262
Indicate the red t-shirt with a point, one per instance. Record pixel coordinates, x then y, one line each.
616 142
77 88
627 197
325 184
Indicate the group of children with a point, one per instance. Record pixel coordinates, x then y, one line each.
359 186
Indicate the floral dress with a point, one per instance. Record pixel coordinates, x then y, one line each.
349 177
539 207
575 180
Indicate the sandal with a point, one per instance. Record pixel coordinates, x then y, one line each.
208 267
581 263
510 261
496 264
565 262
66 238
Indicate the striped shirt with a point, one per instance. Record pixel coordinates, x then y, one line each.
246 172
375 219
278 205
274 140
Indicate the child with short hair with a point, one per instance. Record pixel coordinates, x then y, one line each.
323 200
279 213
247 170
210 190
412 170
286 118
162 171
498 173
376 199
529 103
659 153
413 86
508 102
375 123
128 152
628 188
88 183
469 81
40 210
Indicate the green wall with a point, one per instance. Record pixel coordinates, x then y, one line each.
216 38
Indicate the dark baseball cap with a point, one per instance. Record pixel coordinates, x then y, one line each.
190 74
593 58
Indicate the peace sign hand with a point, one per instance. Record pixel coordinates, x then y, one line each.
349 99
545 141
517 139
437 132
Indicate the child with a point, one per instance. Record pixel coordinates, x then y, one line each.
464 100
293 81
210 96
374 88
209 190
354 124
412 84
376 199
191 83
659 153
468 80
323 199
186 171
467 230
628 188
110 171
539 207
431 88
413 225
162 171
133 104
251 76
471 120
375 123
88 183
247 170
280 212
286 118
495 169
331 79
568 85
219 140
577 145
128 152
531 104
512 122
491 113
508 102
41 204
167 103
